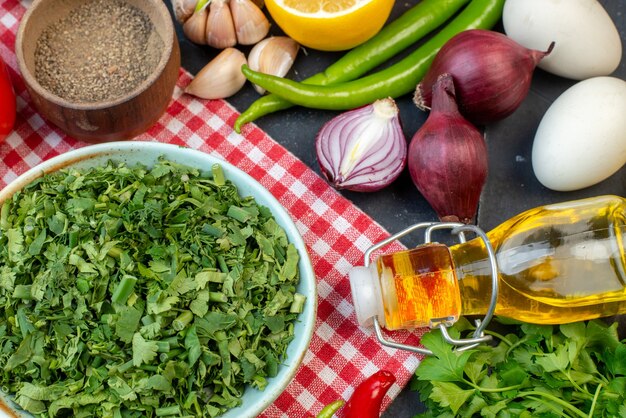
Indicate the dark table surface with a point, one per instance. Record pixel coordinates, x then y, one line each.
511 185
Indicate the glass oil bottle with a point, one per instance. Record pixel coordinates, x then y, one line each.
556 264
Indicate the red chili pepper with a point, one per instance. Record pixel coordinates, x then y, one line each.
7 102
368 396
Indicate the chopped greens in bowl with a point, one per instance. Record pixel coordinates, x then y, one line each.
145 279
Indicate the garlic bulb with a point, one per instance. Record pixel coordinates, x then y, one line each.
221 77
222 23
220 29
274 55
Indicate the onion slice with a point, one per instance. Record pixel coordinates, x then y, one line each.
363 149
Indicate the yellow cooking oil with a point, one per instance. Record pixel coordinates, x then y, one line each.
557 264
419 287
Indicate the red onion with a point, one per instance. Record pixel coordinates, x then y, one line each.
363 149
447 158
492 74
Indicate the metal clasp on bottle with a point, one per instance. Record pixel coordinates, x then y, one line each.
458 229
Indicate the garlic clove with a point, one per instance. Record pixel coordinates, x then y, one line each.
183 9
274 55
194 28
250 22
220 29
221 77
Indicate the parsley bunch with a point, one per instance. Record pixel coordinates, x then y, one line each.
141 292
572 370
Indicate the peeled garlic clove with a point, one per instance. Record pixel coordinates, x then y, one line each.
194 28
221 77
183 9
274 55
250 22
220 30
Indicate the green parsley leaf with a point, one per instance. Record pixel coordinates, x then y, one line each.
445 365
144 351
450 395
573 370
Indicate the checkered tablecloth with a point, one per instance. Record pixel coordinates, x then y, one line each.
336 233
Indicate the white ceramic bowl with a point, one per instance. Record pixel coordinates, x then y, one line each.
133 152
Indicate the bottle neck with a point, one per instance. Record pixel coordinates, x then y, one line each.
473 272
418 287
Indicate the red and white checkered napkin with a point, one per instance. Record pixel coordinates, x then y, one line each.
336 233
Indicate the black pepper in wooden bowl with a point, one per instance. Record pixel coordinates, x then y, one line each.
100 51
101 70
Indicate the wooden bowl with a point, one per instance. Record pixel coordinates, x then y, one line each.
120 118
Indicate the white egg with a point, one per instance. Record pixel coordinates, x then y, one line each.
587 42
581 139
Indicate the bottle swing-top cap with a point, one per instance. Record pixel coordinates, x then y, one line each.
366 295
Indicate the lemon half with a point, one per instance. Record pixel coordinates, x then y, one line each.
330 25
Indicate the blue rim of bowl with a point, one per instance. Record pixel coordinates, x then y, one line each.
121 151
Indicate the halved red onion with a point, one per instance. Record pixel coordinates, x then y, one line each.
363 149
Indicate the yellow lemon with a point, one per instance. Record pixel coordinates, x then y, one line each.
330 25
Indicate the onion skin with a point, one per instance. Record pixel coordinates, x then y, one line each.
363 149
492 74
447 158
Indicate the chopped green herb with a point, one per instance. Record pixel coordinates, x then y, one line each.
141 292
572 370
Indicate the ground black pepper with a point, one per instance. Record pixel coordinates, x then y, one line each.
100 51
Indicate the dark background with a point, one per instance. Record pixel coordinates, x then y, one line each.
511 185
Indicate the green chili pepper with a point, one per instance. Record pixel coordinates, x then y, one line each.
394 81
398 35
329 410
